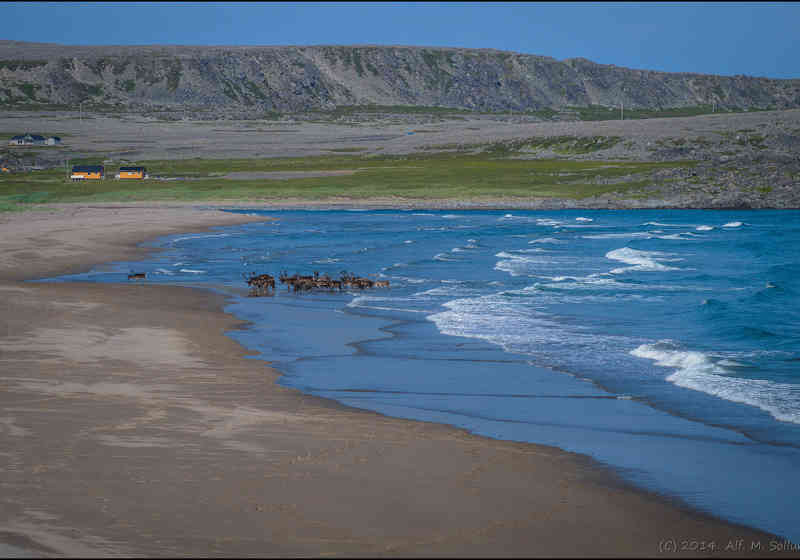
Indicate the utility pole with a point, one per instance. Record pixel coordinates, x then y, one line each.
621 110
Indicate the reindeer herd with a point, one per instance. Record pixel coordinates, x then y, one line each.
264 284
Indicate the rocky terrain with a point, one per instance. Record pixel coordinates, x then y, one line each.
721 160
255 81
137 103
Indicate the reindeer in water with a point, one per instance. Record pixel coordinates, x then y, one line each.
297 282
260 284
300 283
137 276
351 280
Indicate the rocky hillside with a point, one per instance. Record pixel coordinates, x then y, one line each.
296 79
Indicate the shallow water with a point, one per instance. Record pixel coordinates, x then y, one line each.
665 344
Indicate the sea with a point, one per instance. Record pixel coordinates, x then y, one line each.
663 344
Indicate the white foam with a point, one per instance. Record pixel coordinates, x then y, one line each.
603 281
500 320
520 256
584 220
452 290
733 225
201 237
444 257
700 372
191 271
659 224
704 228
630 235
523 262
368 302
408 241
730 363
164 271
408 279
546 240
640 260
678 236
532 250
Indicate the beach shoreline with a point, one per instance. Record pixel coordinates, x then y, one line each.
134 426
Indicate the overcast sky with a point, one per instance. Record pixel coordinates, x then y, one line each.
757 39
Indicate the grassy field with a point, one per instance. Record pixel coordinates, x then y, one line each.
589 113
421 176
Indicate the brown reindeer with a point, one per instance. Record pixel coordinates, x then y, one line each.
261 284
137 276
303 284
362 283
297 282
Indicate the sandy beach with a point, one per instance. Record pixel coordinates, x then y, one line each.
132 426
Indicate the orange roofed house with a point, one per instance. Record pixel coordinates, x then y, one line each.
131 173
80 172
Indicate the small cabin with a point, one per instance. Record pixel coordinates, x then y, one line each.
131 173
34 140
80 172
27 140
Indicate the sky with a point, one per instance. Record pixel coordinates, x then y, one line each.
751 38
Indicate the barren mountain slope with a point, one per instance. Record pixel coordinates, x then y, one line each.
301 78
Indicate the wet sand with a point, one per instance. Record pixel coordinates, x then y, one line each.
132 426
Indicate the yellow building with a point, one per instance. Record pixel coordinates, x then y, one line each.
132 173
80 172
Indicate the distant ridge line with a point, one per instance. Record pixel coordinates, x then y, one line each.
322 77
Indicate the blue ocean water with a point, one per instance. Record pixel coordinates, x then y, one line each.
665 344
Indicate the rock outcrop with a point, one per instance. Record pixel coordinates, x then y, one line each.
297 79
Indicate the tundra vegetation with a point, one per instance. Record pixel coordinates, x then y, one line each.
488 175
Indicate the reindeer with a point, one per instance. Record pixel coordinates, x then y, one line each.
346 278
362 283
297 282
303 283
260 284
137 276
